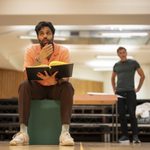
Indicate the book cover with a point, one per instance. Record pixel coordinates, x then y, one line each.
64 70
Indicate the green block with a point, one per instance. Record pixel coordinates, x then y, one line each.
44 125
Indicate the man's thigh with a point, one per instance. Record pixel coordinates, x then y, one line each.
38 91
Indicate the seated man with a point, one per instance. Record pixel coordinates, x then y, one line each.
46 88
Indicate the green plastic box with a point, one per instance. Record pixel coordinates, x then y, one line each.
44 125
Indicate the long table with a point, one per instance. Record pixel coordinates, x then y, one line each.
101 99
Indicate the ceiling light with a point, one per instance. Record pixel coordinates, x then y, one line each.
124 35
27 37
106 57
101 63
110 57
22 27
103 69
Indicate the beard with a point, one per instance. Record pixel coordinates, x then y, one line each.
45 42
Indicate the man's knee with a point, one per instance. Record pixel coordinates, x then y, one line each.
24 84
68 86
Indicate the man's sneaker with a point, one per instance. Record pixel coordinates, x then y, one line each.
124 139
136 139
20 139
65 139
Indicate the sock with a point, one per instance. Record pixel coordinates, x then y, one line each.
65 128
23 128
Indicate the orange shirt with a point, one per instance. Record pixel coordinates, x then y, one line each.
60 54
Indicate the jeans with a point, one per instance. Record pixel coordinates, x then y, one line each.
127 105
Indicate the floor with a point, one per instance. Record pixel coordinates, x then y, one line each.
79 146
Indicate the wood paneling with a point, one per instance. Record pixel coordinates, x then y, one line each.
84 86
10 80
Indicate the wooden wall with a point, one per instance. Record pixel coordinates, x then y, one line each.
9 82
84 86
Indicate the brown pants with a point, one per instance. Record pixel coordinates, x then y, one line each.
32 90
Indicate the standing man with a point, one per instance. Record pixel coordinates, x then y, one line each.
48 87
125 70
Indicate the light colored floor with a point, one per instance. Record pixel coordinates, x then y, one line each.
79 146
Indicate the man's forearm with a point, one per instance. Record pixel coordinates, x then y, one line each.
113 84
140 83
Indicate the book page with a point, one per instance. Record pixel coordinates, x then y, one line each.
57 63
38 66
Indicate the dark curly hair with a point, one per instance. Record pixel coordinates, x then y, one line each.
44 24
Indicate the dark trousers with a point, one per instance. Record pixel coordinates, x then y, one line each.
127 105
32 90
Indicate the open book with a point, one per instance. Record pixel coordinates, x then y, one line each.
64 70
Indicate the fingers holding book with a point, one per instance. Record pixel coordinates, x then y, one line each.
51 80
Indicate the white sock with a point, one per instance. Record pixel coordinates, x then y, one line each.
23 128
65 128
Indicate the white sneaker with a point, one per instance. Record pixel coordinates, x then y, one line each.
65 139
19 139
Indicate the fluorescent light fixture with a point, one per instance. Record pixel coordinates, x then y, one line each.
123 35
111 57
60 38
106 57
103 69
27 37
22 27
101 63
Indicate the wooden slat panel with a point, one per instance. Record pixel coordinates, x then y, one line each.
84 86
9 81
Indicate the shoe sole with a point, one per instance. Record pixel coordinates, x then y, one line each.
66 144
15 144
136 142
124 142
